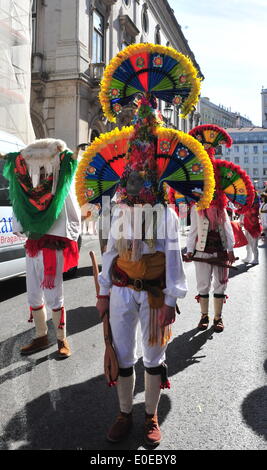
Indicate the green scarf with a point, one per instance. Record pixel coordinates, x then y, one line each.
33 220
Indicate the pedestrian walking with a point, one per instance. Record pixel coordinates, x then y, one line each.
46 211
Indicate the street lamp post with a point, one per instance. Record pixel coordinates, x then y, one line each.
167 111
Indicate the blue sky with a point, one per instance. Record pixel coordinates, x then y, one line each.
229 41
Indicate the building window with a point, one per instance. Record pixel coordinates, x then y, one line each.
246 160
246 170
145 20
255 149
236 159
34 25
98 38
264 159
255 159
265 171
236 148
245 149
264 148
255 172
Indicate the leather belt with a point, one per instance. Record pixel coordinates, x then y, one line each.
144 284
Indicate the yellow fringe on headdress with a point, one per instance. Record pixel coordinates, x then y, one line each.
133 49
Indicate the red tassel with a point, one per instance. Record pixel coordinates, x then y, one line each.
62 317
31 317
225 298
197 298
112 383
34 310
166 384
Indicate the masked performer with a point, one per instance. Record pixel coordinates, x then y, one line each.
142 273
46 211
211 238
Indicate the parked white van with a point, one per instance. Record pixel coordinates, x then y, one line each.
12 252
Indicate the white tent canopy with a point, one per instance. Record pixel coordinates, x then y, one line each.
10 143
15 68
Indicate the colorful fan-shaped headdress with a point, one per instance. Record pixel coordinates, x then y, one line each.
211 137
232 183
148 68
141 74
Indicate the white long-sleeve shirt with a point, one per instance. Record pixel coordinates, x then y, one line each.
197 236
167 243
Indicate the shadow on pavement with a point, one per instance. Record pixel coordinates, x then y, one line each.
241 268
254 409
12 287
78 320
80 420
16 286
85 411
181 352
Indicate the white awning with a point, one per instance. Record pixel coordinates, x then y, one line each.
10 143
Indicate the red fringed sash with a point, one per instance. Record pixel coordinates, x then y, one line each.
50 268
48 244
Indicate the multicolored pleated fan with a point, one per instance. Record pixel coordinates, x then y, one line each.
181 162
236 184
148 68
102 165
210 135
185 166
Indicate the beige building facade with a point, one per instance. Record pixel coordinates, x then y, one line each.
221 116
249 150
73 40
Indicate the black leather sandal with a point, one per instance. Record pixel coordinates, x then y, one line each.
218 325
204 322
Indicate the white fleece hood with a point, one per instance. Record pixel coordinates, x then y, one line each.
44 153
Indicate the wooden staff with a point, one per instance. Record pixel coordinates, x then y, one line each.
111 365
213 261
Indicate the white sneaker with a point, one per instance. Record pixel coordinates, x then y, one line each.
255 262
246 260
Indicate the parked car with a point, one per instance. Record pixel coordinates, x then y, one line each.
12 252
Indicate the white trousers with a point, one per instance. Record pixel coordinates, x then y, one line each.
127 308
205 273
34 276
252 248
